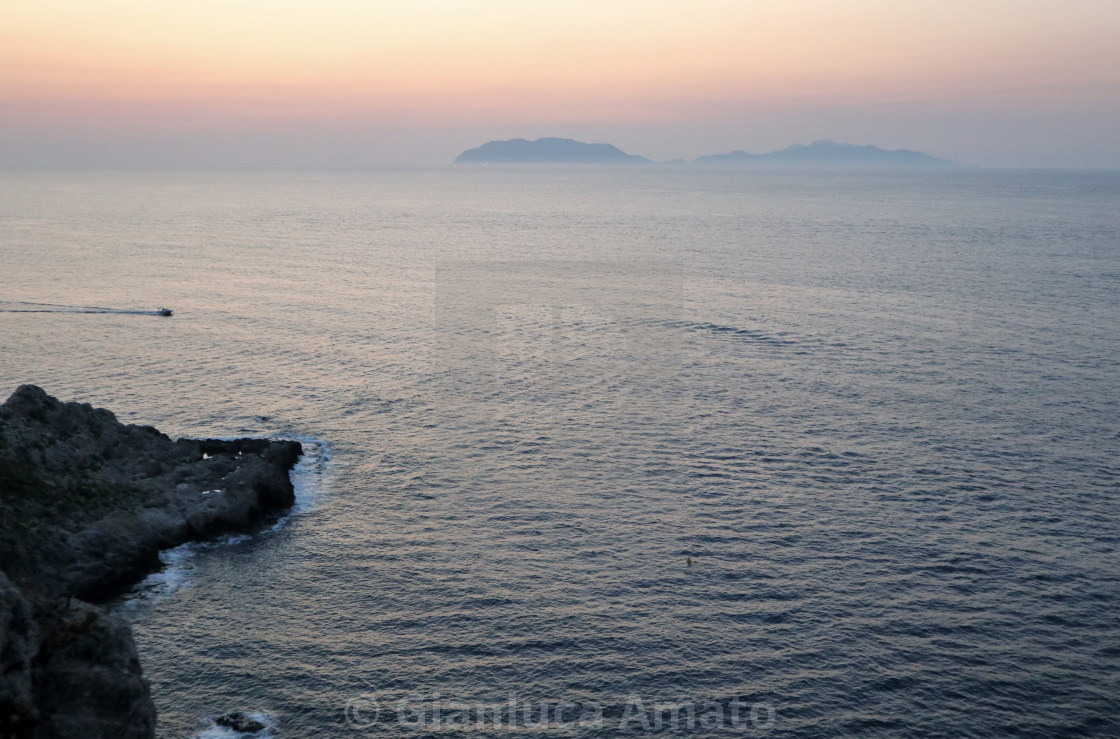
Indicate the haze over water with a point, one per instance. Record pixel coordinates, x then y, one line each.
877 410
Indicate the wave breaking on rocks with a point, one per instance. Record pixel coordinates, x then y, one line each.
86 506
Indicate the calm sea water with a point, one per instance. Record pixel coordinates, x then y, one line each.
880 412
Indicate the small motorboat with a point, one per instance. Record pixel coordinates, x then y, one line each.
165 311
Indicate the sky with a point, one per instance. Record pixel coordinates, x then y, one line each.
367 83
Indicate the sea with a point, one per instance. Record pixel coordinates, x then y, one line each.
611 451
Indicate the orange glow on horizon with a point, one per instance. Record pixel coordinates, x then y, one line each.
500 63
352 56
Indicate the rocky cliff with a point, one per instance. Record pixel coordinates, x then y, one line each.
86 504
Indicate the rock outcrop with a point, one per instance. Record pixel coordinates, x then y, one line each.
86 504
240 722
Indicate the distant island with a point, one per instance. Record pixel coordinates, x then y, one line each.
547 151
827 152
818 153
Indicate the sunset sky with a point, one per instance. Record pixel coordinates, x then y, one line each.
367 83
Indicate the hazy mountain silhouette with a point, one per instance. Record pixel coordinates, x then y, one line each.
547 151
830 152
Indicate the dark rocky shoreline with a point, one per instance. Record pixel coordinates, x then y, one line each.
86 505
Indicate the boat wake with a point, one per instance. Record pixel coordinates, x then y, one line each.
23 306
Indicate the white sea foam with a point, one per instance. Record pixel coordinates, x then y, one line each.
177 571
309 476
214 731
